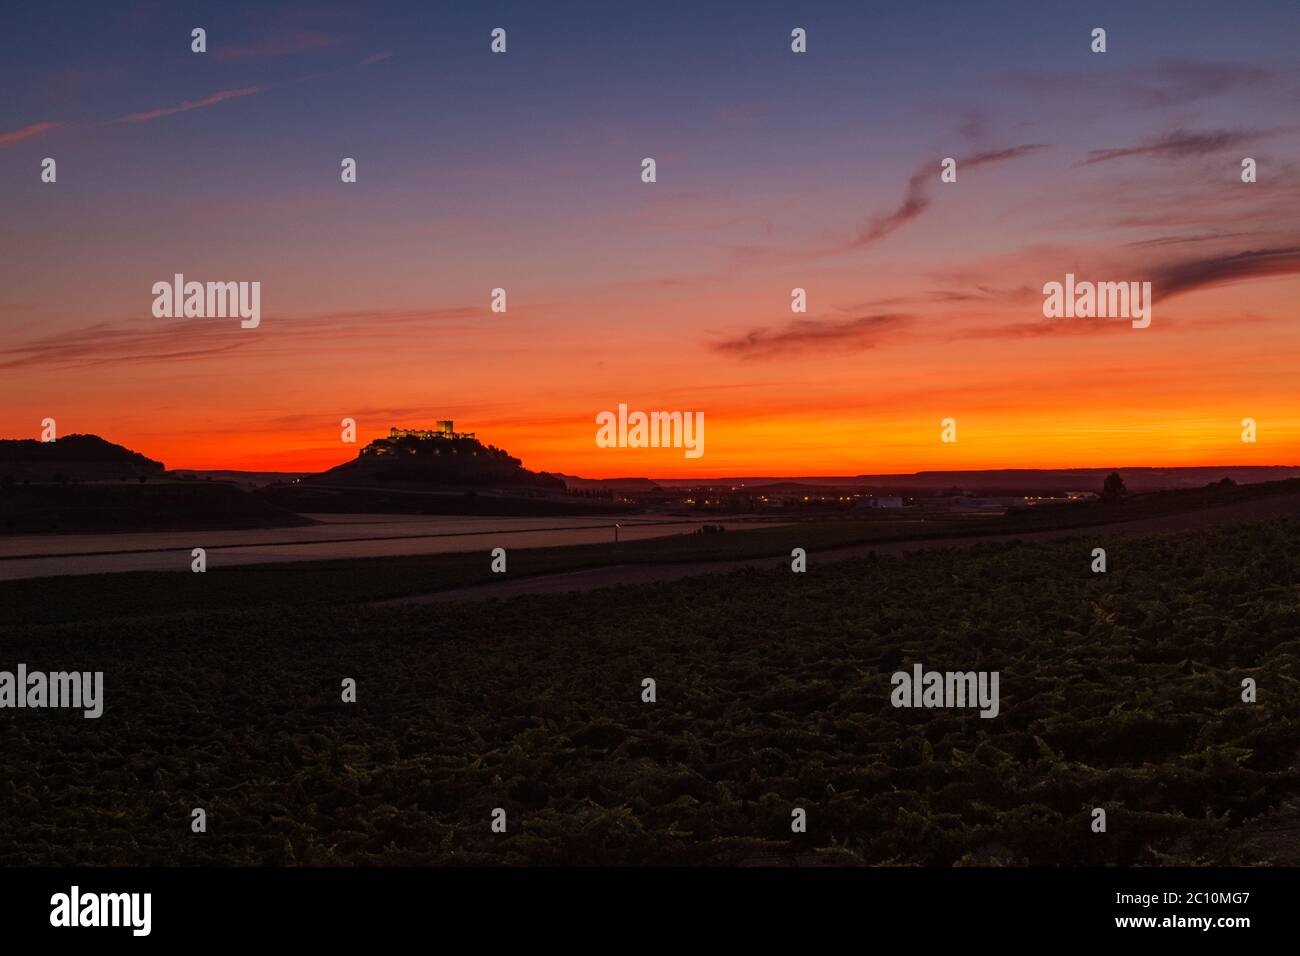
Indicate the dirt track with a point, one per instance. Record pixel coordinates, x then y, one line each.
332 537
591 579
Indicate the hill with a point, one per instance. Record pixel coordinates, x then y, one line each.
432 473
85 484
451 463
72 458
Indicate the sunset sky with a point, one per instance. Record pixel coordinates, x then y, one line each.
775 170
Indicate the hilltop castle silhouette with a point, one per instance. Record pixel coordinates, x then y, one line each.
444 430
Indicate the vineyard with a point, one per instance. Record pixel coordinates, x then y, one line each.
1120 691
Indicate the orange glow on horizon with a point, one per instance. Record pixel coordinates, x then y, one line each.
743 446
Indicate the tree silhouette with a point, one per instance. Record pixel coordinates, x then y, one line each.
1113 489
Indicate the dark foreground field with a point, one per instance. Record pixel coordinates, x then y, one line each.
1119 690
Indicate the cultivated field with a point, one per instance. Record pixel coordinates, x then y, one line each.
1118 690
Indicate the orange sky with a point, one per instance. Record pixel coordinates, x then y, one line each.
1080 395
924 298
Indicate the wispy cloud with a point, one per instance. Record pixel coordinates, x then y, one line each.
173 340
377 58
1178 81
1188 239
27 132
859 332
1163 85
1179 144
916 199
186 105
1048 329
289 44
103 343
1192 274
1038 328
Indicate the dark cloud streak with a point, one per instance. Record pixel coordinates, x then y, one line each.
1192 274
1179 144
859 332
916 200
